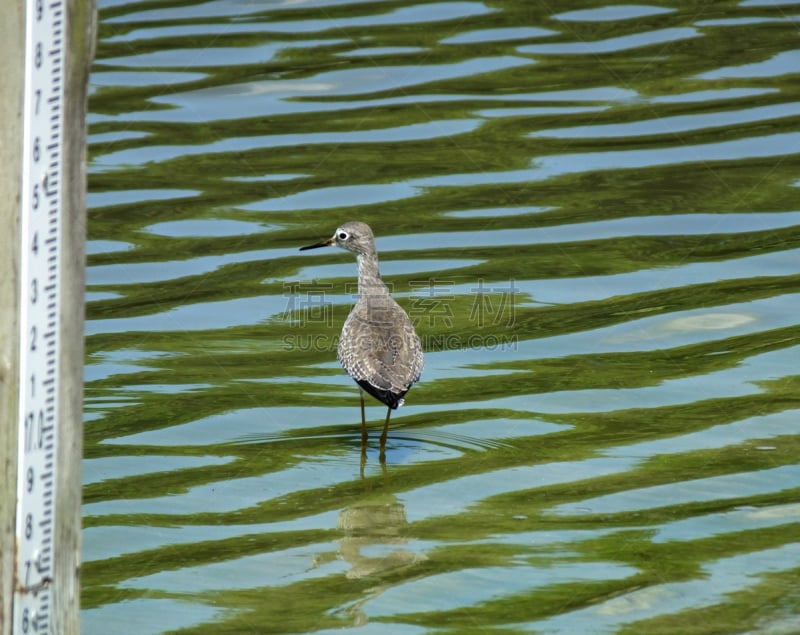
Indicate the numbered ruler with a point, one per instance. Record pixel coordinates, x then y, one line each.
39 314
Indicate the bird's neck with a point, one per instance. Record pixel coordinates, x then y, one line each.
369 275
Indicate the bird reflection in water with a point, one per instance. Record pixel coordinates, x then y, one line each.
373 539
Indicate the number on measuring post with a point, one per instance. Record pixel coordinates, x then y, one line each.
39 320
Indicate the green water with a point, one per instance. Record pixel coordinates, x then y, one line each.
591 213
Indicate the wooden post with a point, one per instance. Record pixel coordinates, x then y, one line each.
12 64
80 35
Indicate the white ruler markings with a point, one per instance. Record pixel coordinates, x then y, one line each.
40 253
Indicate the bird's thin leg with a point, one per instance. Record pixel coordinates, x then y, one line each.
384 435
363 422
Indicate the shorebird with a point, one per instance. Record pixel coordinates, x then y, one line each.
379 347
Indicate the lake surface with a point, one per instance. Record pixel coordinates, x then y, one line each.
592 214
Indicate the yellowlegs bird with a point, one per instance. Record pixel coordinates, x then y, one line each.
378 347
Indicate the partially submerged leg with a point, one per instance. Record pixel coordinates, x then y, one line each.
384 435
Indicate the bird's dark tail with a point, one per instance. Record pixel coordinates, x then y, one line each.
391 399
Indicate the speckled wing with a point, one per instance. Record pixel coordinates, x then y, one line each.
380 350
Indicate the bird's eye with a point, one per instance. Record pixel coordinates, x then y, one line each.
342 236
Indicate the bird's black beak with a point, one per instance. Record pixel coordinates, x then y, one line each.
322 243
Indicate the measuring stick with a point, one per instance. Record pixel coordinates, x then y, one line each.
40 253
